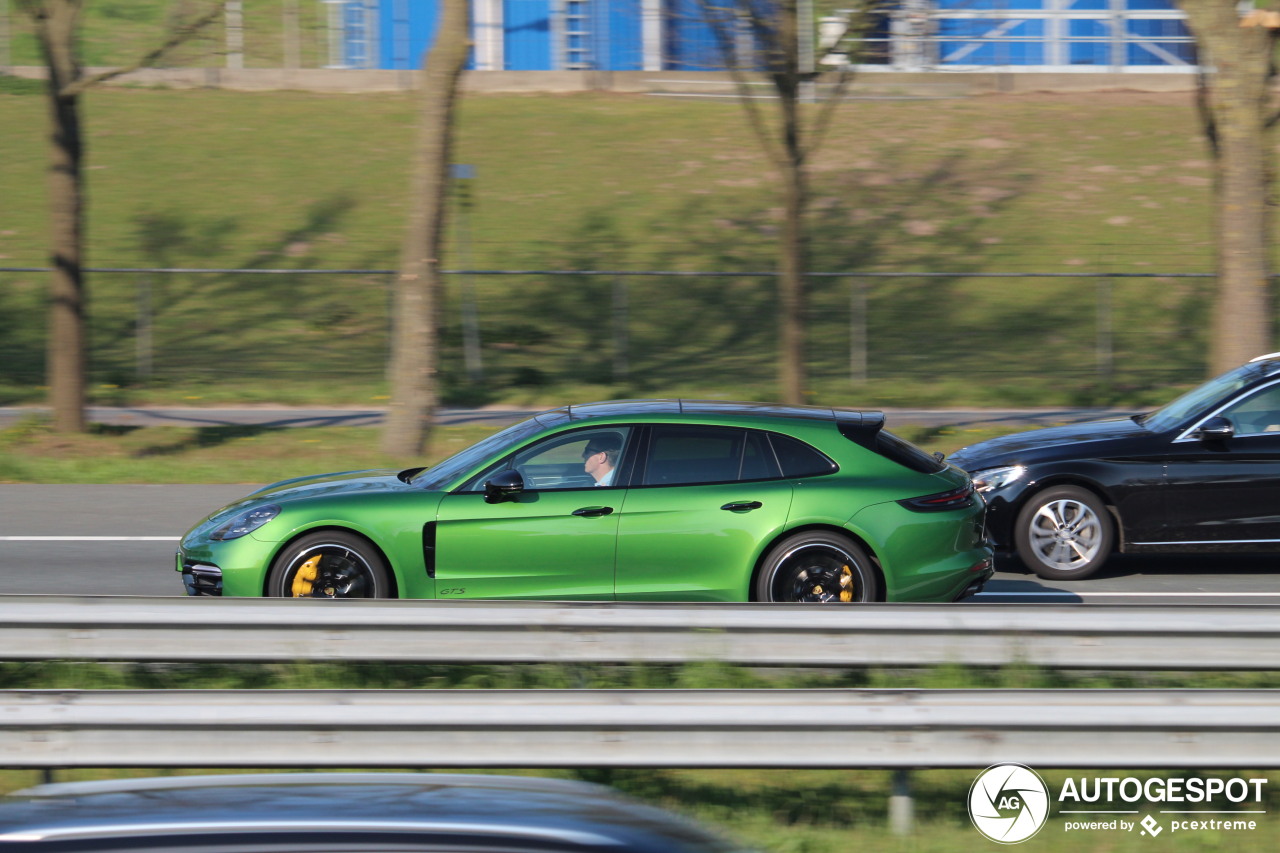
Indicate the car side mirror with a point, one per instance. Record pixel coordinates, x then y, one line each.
502 486
1216 429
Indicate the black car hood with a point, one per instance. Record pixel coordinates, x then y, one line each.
1061 442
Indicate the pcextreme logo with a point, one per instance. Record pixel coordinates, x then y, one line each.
1008 803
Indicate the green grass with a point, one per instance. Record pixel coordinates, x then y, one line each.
1108 183
117 32
30 452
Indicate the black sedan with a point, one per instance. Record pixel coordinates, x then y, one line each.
316 812
1201 474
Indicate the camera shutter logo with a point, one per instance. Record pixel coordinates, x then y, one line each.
1008 803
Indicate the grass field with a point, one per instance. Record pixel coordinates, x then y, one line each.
30 452
1098 184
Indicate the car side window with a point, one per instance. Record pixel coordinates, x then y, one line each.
799 459
1256 414
683 455
576 460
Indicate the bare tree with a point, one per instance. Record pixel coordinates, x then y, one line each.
418 287
1237 68
56 29
772 37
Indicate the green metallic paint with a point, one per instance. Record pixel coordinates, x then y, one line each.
677 544
529 547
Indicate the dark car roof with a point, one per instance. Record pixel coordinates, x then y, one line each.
554 814
713 408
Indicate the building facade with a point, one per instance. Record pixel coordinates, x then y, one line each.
671 35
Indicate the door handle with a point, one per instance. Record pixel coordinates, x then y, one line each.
593 511
742 506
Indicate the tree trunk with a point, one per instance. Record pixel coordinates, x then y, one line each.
418 287
1236 61
67 358
792 377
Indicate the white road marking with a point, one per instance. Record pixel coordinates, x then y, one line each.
89 538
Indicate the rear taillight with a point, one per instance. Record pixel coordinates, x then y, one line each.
954 499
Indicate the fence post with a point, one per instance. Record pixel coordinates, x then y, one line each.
857 331
5 51
621 342
1104 334
462 175
235 33
142 335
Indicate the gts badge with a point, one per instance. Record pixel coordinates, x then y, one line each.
454 590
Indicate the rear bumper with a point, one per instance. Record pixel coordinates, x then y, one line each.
982 573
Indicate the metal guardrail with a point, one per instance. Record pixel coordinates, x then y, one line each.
52 729
202 629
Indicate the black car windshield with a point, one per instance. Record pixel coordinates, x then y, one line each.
441 475
1195 401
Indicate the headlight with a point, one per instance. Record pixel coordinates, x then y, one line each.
246 522
997 478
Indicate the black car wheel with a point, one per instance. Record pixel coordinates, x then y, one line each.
1064 533
819 568
330 565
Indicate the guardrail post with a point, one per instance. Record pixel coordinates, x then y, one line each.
901 807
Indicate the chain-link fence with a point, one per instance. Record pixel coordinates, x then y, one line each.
643 332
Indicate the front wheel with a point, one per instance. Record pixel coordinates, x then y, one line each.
817 568
330 564
1064 533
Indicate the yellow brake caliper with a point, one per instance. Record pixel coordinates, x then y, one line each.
846 584
304 580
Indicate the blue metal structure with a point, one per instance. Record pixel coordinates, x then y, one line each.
625 35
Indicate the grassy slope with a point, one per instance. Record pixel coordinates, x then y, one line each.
1103 183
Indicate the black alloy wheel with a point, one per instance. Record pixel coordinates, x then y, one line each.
330 564
817 568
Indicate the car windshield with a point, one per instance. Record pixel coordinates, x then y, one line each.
441 475
1199 398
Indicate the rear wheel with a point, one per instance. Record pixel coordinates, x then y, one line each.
817 568
330 564
1064 533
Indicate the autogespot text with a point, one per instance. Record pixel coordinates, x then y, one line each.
1107 789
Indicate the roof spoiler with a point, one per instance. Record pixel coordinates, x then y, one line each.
860 427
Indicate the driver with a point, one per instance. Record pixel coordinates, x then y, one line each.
601 457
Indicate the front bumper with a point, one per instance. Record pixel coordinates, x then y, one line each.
199 578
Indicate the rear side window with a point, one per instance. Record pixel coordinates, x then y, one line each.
681 455
906 454
799 459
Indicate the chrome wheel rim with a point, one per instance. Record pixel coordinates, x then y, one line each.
816 574
330 571
1066 534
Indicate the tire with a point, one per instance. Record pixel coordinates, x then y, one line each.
329 564
1064 533
819 568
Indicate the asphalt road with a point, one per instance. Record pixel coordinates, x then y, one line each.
120 540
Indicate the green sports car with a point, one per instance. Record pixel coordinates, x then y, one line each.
637 500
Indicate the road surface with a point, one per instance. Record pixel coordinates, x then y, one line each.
120 540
